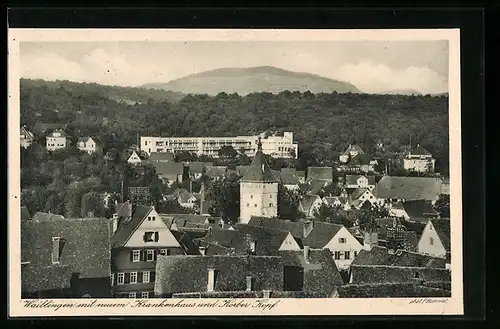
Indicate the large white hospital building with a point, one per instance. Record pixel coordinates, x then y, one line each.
276 145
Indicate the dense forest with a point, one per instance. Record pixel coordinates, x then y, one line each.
323 124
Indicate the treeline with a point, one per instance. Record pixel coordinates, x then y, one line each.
323 124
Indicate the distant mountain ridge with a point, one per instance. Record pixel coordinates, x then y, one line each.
244 81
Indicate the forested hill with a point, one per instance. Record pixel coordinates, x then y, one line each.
323 124
244 81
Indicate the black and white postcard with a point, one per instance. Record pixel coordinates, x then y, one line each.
234 172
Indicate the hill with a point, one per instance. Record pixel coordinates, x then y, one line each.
244 81
401 92
126 95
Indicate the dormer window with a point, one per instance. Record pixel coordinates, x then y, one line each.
56 250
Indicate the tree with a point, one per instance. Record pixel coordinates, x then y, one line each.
224 196
172 207
332 214
227 152
442 206
288 204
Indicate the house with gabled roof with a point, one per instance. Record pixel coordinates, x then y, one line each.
419 160
229 274
310 271
392 188
362 197
89 144
337 201
65 258
435 239
169 172
140 236
195 169
26 137
216 172
360 181
161 157
134 158
419 210
351 152
57 140
309 205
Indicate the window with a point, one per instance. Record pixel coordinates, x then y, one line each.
270 205
131 295
337 255
145 277
145 294
431 241
56 250
248 204
133 277
149 218
150 255
355 253
255 205
347 254
417 275
342 240
136 255
120 279
151 237
251 196
164 252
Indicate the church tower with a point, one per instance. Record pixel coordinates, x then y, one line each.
258 190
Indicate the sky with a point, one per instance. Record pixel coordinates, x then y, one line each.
372 66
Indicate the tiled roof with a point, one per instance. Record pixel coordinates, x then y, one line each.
320 173
357 193
385 273
308 200
268 241
288 170
317 185
353 148
46 216
127 228
188 220
176 274
419 150
362 159
137 154
84 249
321 234
241 170
169 169
25 214
320 272
289 178
161 156
380 256
419 209
196 167
408 188
296 228
259 170
186 243
442 227
390 290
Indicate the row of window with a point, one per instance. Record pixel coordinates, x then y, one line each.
347 255
132 277
255 205
142 294
55 145
148 255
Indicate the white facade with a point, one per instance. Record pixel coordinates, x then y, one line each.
344 247
258 199
289 243
421 163
430 243
134 158
26 137
89 146
152 232
276 146
56 141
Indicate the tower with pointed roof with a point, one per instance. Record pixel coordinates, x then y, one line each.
258 190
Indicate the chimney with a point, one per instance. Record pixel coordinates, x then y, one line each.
115 222
308 227
249 283
129 210
211 280
306 254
